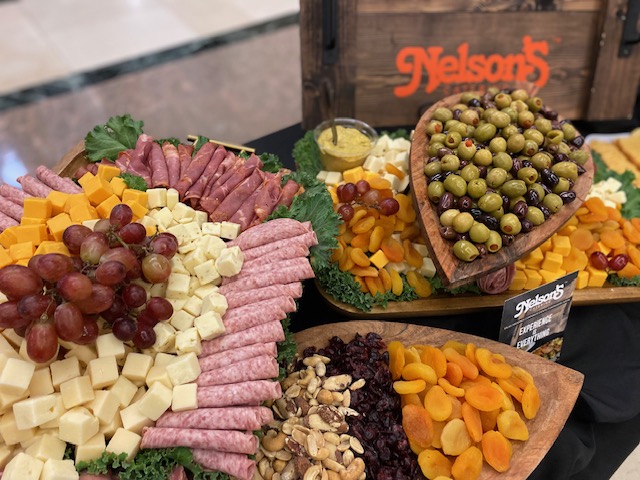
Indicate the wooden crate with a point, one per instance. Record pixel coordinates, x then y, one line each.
385 62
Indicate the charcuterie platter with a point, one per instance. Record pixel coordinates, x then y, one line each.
559 386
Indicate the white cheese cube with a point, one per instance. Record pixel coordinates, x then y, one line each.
215 302
193 259
6 454
181 233
103 371
41 382
90 223
13 338
78 425
184 369
333 178
389 156
64 370
393 180
205 290
187 247
23 467
185 397
136 367
158 373
59 410
194 284
148 221
108 345
401 143
173 198
215 246
178 285
181 320
133 419
230 261
374 163
404 184
229 230
108 429
92 449
34 411
206 272
209 325
188 341
84 353
157 197
47 447
124 441
201 218
77 391
105 406
139 393
15 376
401 161
421 249
177 303
124 390
156 401
400 267
182 211
165 337
618 197
177 266
6 348
193 306
7 400
193 230
211 228
10 432
158 289
163 359
322 175
163 217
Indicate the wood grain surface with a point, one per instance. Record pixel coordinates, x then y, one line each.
559 386
71 161
455 272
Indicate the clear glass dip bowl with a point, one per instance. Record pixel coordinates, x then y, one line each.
356 139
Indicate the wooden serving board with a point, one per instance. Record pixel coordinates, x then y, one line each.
453 271
558 386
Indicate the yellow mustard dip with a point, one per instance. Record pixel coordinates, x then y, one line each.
350 151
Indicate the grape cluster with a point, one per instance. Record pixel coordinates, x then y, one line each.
59 296
361 193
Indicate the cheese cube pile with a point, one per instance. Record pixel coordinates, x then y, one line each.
610 191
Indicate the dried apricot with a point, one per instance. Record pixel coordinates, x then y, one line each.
496 450
411 255
489 419
456 408
483 397
470 353
437 403
450 389
492 364
507 403
364 225
512 426
361 241
469 370
421 285
434 357
385 278
375 240
434 464
374 284
472 420
454 374
410 398
417 425
415 370
468 465
437 433
457 346
392 249
396 359
409 386
359 258
455 437
530 401
411 354
396 282
523 375
511 388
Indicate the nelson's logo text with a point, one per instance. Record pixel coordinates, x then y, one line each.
527 65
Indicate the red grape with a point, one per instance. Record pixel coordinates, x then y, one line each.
90 331
145 319
101 299
42 342
33 261
33 307
135 272
124 329
160 308
618 262
362 186
389 206
599 260
165 244
78 264
102 226
68 322
133 233
134 295
74 286
156 268
93 247
346 212
73 237
145 337
371 197
121 215
348 193
16 281
9 316
110 273
117 309
122 255
53 266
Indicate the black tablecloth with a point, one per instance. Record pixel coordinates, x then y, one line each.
600 341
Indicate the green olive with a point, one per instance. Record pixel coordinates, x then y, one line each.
509 131
515 143
456 126
453 139
450 163
466 150
510 224
528 175
479 233
535 215
530 148
462 222
486 115
489 202
539 190
526 119
554 137
535 104
469 172
534 135
514 188
494 243
503 160
456 185
579 156
466 97
519 106
470 131
569 131
458 106
485 132
437 137
562 186
433 148
477 187
541 160
566 170
520 94
500 119
553 202
564 148
493 91
543 125
514 200
442 114
483 157
465 250
513 115
470 117
496 177
431 168
446 217
502 100
498 144
434 126
435 190
499 213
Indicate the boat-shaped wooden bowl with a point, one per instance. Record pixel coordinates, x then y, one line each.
455 272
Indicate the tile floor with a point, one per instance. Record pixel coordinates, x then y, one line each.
235 92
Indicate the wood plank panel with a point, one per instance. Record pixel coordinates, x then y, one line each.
476 6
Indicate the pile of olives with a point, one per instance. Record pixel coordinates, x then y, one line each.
498 164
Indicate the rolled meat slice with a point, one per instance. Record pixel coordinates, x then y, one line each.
7 221
170 152
178 473
33 186
234 178
221 440
268 197
246 212
184 152
81 171
296 251
10 209
195 168
14 194
93 168
240 298
197 189
270 232
246 393
289 191
229 357
236 197
158 166
498 281
263 367
268 332
236 465
139 158
255 268
252 318
223 418
55 181
227 167
307 239
279 276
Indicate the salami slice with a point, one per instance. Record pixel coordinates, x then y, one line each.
236 465
240 298
268 197
235 177
93 168
246 212
256 267
184 152
195 168
227 168
498 281
295 251
236 197
263 279
178 473
229 357
289 191
7 221
158 166
33 186
81 171
223 418
14 194
270 232
10 209
55 181
307 239
221 440
263 367
197 189
257 313
246 393
268 332
139 158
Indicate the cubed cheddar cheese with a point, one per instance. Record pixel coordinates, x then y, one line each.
32 221
534 257
136 195
583 280
596 277
534 279
353 175
97 190
519 280
561 245
8 237
75 199
5 258
379 259
105 207
118 185
81 212
58 224
35 234
546 246
36 207
58 201
138 209
549 276
53 247
84 179
108 171
552 261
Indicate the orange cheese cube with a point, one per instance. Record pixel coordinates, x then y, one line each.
5 258
85 178
35 234
75 199
32 221
552 261
519 264
8 237
400 225
596 277
21 250
546 246
81 212
42 248
583 279
379 259
55 247
118 185
151 230
105 207
135 195
58 224
549 276
369 175
534 279
58 201
108 171
334 195
36 207
561 245
353 175
534 257
22 261
97 190
519 280
138 209
603 248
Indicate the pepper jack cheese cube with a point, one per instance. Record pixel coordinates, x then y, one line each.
209 325
163 359
23 467
108 345
76 391
124 389
206 272
215 246
91 449
133 419
193 259
41 382
103 371
34 411
201 217
211 228
16 376
156 401
124 441
178 285
77 426
163 217
59 470
184 397
193 306
47 446
64 370
136 367
184 369
205 290
229 230
230 261
181 320
157 197
188 341
182 210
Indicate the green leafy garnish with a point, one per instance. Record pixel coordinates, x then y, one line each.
172 140
107 141
438 285
306 155
400 133
617 281
631 208
286 349
199 142
134 181
104 464
271 163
